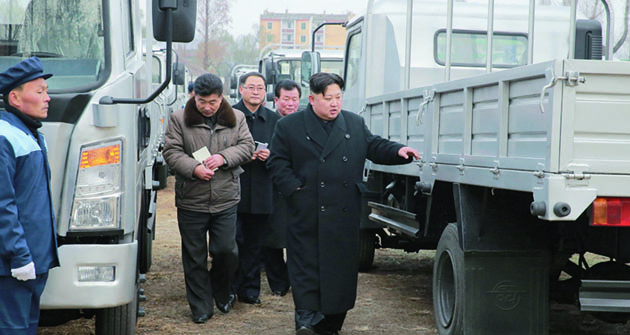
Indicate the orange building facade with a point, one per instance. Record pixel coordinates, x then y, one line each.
294 31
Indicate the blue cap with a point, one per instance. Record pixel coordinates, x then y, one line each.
21 73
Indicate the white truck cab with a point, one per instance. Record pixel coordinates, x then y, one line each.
104 132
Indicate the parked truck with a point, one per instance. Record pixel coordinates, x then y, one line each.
235 75
521 116
104 132
281 64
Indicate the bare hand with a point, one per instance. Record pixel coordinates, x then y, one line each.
262 154
407 152
214 162
203 172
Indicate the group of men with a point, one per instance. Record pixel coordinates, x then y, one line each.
254 181
249 182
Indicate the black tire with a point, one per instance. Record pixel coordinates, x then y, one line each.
144 235
367 244
120 320
448 283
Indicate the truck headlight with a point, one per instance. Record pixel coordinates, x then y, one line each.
97 195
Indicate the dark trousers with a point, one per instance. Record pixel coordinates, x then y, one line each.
321 323
19 304
250 236
276 269
203 285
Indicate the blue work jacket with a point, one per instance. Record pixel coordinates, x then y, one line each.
27 223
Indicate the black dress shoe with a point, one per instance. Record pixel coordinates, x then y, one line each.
226 307
201 318
249 300
304 330
280 293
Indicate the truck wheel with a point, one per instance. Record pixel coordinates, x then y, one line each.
367 240
119 320
448 283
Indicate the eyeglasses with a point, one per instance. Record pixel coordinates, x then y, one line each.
254 88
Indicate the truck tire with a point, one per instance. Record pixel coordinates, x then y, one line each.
448 283
367 240
119 320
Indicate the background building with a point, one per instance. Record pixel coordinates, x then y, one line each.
294 30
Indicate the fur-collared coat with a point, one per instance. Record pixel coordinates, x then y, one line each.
186 133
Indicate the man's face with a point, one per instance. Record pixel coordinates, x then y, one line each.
327 105
253 91
209 104
32 99
288 101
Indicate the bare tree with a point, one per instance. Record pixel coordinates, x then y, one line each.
212 16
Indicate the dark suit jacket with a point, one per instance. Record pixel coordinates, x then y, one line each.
256 185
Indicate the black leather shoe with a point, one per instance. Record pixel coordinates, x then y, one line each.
249 300
304 330
201 318
227 307
280 293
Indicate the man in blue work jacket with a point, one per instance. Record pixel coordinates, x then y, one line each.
28 244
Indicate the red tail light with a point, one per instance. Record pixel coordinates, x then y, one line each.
611 212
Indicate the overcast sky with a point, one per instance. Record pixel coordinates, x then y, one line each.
246 13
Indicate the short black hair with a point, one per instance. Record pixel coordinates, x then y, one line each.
244 77
287 85
208 84
319 82
191 87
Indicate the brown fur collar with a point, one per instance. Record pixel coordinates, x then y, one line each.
225 114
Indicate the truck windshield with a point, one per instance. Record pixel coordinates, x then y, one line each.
67 35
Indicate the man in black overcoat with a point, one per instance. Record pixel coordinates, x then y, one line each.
317 158
287 100
256 188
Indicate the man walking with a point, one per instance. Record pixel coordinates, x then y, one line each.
28 241
317 159
287 99
256 188
205 145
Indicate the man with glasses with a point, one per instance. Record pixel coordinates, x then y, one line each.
256 188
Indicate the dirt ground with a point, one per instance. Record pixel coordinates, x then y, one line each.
393 298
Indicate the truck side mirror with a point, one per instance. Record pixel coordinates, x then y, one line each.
270 73
179 74
270 96
184 19
310 66
233 82
588 40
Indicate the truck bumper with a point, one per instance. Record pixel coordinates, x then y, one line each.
64 290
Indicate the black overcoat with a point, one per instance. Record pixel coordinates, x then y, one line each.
277 224
323 215
256 184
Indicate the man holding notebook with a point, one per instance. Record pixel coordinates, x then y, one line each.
205 144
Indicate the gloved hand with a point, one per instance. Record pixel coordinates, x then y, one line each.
24 273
